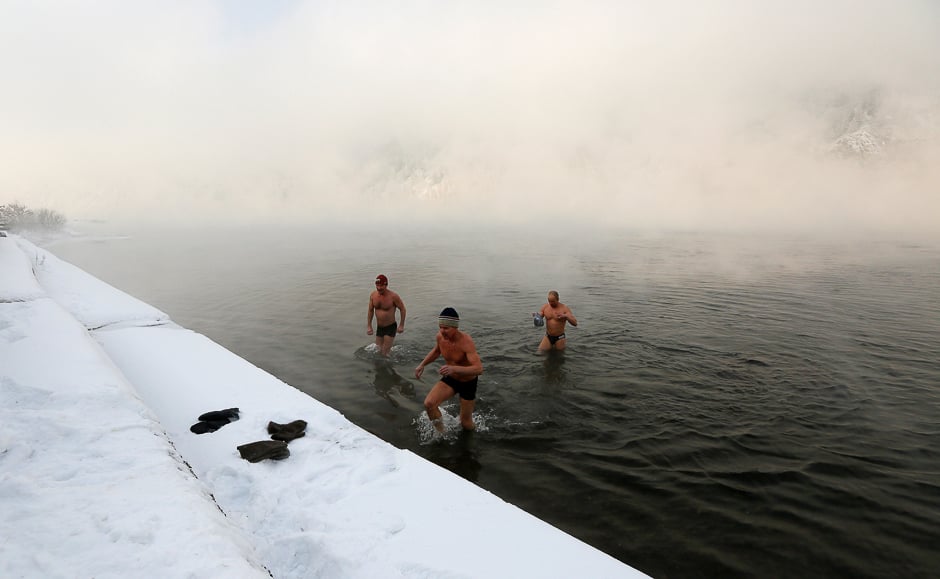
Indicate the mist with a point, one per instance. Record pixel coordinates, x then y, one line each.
798 115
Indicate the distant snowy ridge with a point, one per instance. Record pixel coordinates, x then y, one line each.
861 142
825 129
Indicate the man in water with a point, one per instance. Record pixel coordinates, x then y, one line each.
459 374
556 315
382 303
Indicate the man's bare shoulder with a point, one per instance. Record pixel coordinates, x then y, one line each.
466 342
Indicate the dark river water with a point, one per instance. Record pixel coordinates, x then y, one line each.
727 407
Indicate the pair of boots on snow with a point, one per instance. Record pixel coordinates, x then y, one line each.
275 449
212 421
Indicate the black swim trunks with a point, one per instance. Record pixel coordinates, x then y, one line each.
389 330
467 390
552 339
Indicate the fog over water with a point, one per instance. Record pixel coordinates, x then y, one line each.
679 114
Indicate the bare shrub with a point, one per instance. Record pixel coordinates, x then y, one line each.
16 216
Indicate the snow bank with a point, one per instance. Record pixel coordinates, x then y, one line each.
89 484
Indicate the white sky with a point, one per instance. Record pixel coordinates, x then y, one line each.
676 113
94 432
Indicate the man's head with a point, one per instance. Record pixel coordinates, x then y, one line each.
381 282
553 298
448 321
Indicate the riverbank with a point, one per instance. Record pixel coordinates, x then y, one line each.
103 477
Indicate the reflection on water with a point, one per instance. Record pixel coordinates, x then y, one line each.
390 385
554 367
459 455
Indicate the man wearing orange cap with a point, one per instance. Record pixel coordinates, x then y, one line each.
382 303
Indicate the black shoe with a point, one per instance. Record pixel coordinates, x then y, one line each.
258 451
207 426
229 415
212 421
287 432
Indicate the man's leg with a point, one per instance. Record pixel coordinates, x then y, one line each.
386 345
438 394
466 414
545 345
560 344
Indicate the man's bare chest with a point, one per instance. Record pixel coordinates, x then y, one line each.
452 352
383 302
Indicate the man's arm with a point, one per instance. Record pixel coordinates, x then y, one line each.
369 316
432 355
570 317
401 307
542 311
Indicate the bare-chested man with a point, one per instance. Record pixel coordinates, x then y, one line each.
382 303
459 374
556 315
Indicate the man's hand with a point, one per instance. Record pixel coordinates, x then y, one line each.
369 331
419 371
